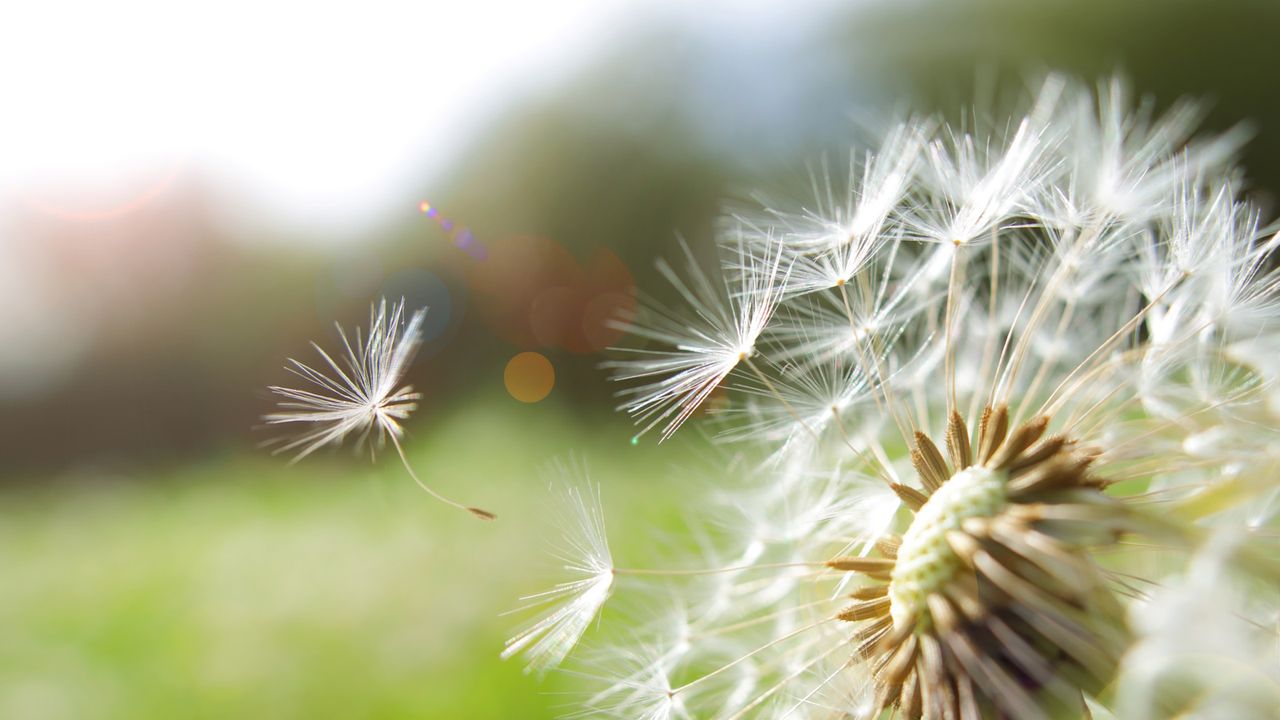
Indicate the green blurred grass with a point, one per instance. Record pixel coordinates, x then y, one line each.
246 587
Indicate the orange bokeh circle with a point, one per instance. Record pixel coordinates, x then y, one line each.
529 377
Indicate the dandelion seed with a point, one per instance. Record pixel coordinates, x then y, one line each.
982 182
699 349
361 396
804 403
574 603
636 684
830 243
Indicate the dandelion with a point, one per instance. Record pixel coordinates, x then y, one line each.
362 396
1028 394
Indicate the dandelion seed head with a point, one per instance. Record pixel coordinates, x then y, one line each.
976 389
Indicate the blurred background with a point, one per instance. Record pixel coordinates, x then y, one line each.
191 193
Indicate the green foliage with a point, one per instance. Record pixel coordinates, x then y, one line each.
249 588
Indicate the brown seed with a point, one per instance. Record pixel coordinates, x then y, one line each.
909 702
870 592
1021 439
958 442
929 463
899 663
1047 449
865 610
861 564
912 498
888 546
995 423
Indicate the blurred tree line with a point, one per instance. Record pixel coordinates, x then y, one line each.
606 170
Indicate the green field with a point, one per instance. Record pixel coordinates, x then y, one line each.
244 587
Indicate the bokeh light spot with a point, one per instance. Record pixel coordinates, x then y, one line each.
529 377
533 293
424 289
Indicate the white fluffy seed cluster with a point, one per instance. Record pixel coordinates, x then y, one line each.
1083 258
925 560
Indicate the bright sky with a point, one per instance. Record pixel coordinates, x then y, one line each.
315 114
311 108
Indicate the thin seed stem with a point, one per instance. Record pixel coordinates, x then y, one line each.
1124 330
743 658
1068 312
773 390
724 630
769 692
880 468
1042 307
949 362
989 347
476 512
713 571
877 378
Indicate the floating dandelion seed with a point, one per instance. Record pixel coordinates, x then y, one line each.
362 396
1045 375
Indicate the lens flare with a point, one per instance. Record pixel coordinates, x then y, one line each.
462 237
529 377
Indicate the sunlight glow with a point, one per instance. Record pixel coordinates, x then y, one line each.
317 114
